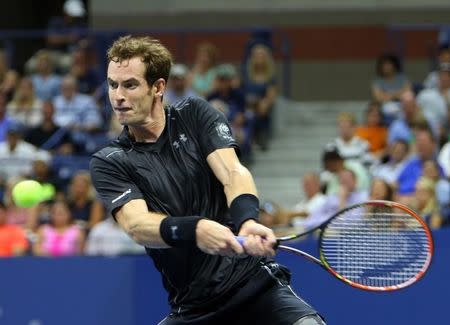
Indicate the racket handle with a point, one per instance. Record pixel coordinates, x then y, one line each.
240 239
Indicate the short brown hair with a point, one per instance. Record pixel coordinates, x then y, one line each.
154 55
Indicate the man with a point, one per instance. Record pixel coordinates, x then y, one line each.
173 182
178 88
425 149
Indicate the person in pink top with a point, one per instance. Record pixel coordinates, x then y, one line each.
61 237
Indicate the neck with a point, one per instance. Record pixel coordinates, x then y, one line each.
152 128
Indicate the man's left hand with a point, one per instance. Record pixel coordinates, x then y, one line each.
259 240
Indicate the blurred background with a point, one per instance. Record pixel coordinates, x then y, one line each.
332 103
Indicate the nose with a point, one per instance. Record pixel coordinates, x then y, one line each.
118 96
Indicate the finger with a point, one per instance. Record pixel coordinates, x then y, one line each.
236 246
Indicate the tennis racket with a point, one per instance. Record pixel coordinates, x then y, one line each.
374 246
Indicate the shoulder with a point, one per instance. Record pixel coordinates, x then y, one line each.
108 155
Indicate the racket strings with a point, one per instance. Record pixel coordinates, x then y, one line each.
375 248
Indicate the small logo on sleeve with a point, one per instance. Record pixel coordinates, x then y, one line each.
174 232
121 195
224 131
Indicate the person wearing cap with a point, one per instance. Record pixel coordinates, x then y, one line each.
64 31
231 101
434 102
178 88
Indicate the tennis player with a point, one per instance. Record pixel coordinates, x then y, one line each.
173 182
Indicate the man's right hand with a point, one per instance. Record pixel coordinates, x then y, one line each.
216 239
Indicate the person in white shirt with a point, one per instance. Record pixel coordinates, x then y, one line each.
434 101
444 159
389 170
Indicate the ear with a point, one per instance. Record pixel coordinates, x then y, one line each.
159 87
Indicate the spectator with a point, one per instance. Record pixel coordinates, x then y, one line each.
381 190
434 102
108 239
83 205
425 149
313 199
259 84
389 85
373 130
401 128
231 101
432 79
394 163
425 202
76 112
203 72
444 159
65 30
85 74
333 164
8 77
349 145
347 194
16 155
61 237
49 136
25 107
13 241
5 120
178 87
46 83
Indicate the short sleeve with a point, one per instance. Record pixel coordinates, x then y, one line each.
213 129
114 187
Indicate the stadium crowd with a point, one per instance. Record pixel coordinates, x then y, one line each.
56 114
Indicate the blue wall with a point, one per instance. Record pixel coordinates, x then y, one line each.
127 291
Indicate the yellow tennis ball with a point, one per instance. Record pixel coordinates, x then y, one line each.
27 193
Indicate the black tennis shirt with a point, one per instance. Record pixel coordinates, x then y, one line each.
174 178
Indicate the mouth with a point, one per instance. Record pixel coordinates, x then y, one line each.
122 109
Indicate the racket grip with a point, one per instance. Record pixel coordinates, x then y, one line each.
240 239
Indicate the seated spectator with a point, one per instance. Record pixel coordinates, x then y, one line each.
349 145
425 202
381 190
425 149
434 102
86 75
333 164
8 77
402 127
61 237
389 85
231 102
389 169
373 130
314 198
203 72
5 120
108 239
25 107
76 112
83 205
49 136
347 194
178 87
13 241
46 83
17 155
432 79
259 84
444 159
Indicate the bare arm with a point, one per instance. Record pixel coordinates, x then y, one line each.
96 214
141 224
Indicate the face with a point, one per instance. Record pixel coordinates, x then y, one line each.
373 116
398 151
80 185
25 88
68 88
444 79
60 214
311 185
379 190
346 128
47 111
43 64
431 170
260 55
130 95
178 83
387 68
444 56
425 146
347 179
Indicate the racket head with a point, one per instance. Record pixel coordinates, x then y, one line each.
376 246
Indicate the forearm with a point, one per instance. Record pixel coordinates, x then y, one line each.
240 181
141 225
